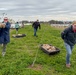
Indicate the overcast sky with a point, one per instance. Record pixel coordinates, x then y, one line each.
39 9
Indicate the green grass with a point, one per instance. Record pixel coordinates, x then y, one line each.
21 53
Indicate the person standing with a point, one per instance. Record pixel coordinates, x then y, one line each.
35 25
17 27
5 35
69 37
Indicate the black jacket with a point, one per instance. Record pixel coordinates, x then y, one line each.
36 25
69 36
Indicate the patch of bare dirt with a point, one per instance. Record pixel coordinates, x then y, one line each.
35 67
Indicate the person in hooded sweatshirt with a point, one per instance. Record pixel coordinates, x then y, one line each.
5 35
69 37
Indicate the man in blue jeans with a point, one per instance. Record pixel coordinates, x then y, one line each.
35 25
69 37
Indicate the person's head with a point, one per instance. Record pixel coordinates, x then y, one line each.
37 20
74 25
17 22
5 19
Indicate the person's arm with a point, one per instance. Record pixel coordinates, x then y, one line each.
39 26
18 26
64 33
7 25
15 25
33 25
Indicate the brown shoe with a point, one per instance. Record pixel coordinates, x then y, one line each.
68 65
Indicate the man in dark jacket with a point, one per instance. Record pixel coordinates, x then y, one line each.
69 37
4 34
35 25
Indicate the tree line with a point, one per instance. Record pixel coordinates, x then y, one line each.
51 22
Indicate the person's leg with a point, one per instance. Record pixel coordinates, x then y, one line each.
72 47
69 52
1 46
16 31
4 49
34 31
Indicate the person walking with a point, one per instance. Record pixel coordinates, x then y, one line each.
35 25
69 37
5 34
17 27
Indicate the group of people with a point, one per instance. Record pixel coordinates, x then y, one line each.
5 32
68 35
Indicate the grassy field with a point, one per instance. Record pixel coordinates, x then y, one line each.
21 53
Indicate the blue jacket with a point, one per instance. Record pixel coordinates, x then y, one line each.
69 36
4 34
